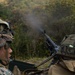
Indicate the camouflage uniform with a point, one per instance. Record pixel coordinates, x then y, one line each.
4 71
67 65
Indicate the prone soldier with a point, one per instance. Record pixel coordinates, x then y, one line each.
65 64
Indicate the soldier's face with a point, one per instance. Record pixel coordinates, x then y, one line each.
5 55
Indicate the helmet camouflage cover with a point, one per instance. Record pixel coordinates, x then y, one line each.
4 27
68 46
5 32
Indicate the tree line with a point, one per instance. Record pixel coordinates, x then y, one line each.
56 17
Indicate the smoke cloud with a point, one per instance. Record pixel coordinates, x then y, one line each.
33 22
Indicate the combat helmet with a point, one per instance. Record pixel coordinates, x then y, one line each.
4 27
68 46
5 32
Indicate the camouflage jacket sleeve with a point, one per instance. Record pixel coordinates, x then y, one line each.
4 71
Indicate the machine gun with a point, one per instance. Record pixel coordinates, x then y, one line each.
53 48
51 45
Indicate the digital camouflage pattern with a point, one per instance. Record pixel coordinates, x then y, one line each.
4 71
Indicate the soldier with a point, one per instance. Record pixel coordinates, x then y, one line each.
5 50
65 65
6 37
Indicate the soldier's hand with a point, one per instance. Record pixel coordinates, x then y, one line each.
16 71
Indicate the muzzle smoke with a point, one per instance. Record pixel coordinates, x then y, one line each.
34 22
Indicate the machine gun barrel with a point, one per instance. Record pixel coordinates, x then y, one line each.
51 45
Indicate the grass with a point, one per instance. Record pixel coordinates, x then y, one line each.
36 61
